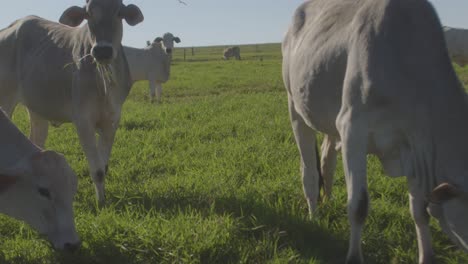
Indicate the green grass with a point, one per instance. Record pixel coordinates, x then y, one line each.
212 176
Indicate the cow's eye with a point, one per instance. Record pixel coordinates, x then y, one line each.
44 192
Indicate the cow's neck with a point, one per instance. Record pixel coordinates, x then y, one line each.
83 45
15 146
449 126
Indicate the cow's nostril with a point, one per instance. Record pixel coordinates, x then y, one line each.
72 247
169 50
102 53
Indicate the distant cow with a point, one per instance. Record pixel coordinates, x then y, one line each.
37 186
375 77
457 44
232 52
66 74
152 63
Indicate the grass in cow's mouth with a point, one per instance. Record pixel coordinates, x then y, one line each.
106 74
76 62
104 71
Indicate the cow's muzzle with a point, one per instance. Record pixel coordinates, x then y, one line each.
168 51
102 54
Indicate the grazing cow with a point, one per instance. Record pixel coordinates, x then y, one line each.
375 77
64 73
232 52
152 63
37 186
457 44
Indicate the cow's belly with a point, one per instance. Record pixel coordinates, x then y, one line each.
50 107
48 95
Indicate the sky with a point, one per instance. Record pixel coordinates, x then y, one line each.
208 22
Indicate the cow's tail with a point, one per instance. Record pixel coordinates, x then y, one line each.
317 156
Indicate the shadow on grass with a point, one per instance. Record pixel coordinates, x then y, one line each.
257 218
99 252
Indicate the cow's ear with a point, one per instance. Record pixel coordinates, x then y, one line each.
158 40
177 39
132 14
6 181
73 16
444 192
148 43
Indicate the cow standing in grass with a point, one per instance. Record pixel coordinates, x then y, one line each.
152 63
232 52
37 186
375 77
65 73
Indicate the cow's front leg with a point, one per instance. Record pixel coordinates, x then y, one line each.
418 205
354 149
87 136
106 133
39 129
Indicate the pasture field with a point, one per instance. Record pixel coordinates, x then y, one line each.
211 175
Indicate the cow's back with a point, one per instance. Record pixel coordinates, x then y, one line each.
406 61
14 144
397 43
45 65
8 65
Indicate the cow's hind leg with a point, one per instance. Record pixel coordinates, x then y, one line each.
159 91
328 163
152 88
306 142
354 150
418 205
39 129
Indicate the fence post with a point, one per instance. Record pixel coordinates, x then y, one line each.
185 51
193 51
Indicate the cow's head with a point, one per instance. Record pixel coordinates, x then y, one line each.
40 191
167 42
449 204
105 24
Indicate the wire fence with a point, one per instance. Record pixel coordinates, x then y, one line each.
248 52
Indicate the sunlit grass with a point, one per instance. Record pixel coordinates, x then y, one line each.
211 175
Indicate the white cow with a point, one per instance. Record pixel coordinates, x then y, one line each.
232 52
152 63
375 77
37 186
65 73
457 44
